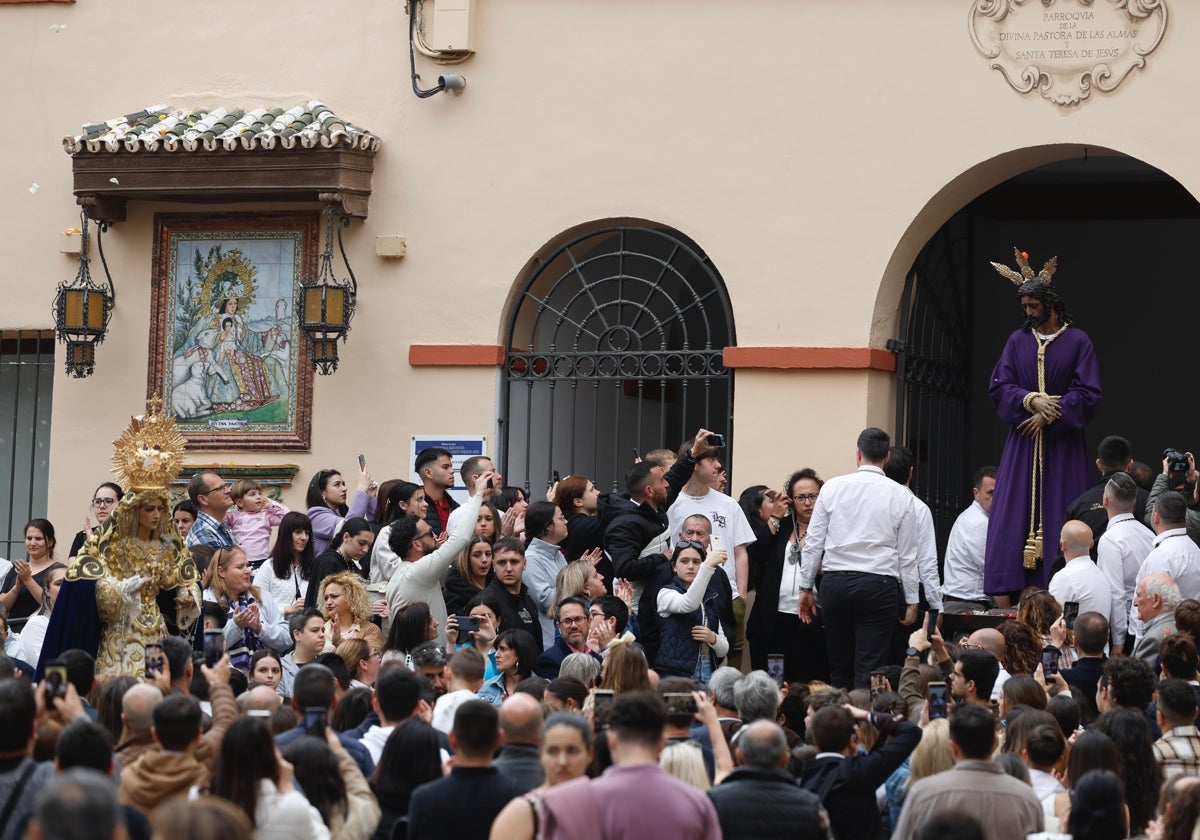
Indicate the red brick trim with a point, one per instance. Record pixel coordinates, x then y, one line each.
455 355
810 358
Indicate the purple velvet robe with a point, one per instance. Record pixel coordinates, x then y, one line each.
1073 373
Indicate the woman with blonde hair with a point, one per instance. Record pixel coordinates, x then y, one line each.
347 611
579 579
684 761
625 668
254 621
931 756
361 660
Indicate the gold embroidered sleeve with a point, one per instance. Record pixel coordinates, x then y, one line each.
108 598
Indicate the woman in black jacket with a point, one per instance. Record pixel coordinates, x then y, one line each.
774 626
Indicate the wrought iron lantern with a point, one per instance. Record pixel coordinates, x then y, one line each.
328 303
82 307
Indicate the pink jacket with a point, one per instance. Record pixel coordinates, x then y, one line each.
252 531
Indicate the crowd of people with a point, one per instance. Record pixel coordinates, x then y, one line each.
664 661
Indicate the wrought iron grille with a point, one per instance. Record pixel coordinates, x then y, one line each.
614 345
26 388
933 366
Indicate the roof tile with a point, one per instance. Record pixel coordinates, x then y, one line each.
160 128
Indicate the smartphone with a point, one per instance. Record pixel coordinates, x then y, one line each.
680 703
931 622
466 623
362 462
1070 613
878 684
314 721
214 647
55 679
155 661
715 542
555 476
491 484
1049 661
636 455
602 703
258 713
715 440
935 695
775 667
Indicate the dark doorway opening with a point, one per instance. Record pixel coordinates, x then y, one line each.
1122 231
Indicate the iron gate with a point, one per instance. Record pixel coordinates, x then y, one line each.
614 344
933 365
26 388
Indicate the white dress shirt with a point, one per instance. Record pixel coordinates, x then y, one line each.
964 555
1176 555
1080 580
1120 552
927 565
863 522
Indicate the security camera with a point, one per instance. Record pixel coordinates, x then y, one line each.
452 81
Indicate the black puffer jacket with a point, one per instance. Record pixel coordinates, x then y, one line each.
758 803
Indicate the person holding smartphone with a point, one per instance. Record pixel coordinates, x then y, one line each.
731 529
1081 581
693 643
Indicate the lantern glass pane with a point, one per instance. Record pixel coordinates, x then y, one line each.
312 304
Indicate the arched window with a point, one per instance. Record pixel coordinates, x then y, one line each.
614 343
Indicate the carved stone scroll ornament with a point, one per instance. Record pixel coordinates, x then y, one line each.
1066 48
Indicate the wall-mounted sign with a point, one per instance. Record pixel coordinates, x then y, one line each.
1065 49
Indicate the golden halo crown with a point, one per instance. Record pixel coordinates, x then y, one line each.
149 453
1026 273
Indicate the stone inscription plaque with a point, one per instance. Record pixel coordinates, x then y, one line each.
1065 49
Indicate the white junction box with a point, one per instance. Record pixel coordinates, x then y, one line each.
453 25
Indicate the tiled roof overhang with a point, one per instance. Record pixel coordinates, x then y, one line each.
305 153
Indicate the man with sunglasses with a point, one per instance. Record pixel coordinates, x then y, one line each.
210 494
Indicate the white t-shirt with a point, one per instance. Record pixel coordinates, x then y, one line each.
727 519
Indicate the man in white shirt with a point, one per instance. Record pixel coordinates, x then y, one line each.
1174 553
1122 548
730 530
962 584
899 468
864 534
396 698
1045 746
1080 580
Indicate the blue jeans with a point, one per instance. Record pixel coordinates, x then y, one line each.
704 669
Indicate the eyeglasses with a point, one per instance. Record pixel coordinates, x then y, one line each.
99 502
579 619
597 614
690 544
220 488
375 655
805 497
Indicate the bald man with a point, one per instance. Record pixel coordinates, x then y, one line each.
261 699
1080 580
137 716
991 640
521 726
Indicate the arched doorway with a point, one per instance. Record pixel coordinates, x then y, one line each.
615 340
1121 229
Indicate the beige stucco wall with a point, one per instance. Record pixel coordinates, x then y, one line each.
809 147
